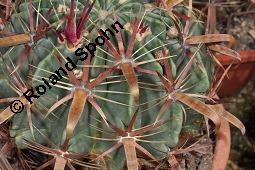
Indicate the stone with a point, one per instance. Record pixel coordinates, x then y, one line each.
252 33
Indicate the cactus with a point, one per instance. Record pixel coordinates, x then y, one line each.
134 91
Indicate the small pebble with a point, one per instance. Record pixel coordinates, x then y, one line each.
252 33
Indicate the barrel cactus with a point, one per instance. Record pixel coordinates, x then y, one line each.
143 82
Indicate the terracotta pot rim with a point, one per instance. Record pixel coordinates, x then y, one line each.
246 56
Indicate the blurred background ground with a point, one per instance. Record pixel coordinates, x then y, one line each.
238 19
242 154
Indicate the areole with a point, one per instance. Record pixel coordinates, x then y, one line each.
70 65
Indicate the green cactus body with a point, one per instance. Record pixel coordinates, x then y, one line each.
113 95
